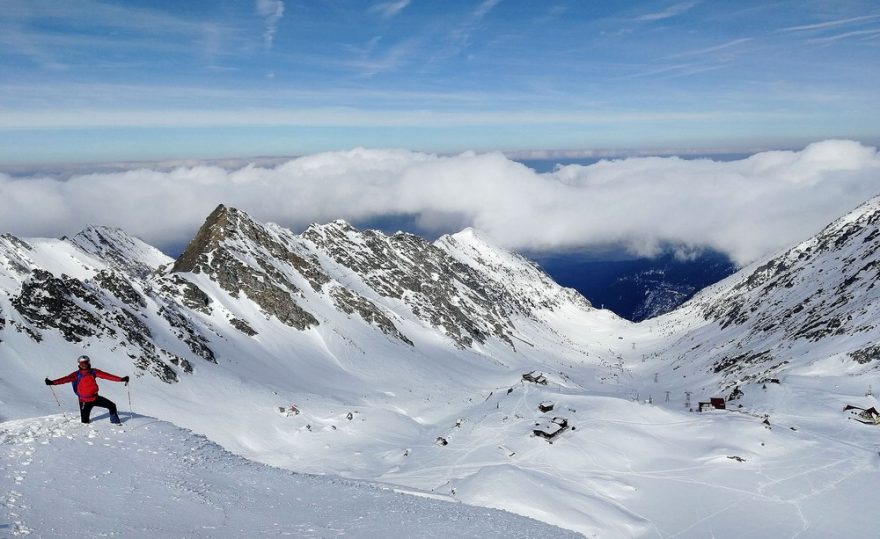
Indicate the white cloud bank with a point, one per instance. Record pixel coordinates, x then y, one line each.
746 208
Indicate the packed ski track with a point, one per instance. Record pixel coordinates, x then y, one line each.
432 382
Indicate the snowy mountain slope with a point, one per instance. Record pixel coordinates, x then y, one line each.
472 305
122 252
400 354
148 478
406 361
98 288
812 309
533 290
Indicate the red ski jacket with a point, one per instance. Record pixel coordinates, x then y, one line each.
87 388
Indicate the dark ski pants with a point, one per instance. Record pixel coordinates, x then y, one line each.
85 409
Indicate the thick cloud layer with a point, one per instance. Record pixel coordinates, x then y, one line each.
747 208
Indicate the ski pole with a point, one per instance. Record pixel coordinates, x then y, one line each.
130 413
58 402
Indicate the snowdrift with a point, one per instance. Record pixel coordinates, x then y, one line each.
148 478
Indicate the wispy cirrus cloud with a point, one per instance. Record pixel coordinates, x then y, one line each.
670 71
388 59
44 101
461 34
484 8
388 10
694 61
846 35
458 38
672 11
710 50
271 11
27 45
849 28
830 24
61 35
90 14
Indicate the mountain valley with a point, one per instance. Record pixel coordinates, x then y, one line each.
460 370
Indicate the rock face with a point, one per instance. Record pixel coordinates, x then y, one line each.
350 303
188 293
113 299
50 302
516 283
460 285
229 235
437 289
812 286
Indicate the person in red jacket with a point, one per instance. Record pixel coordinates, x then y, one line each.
85 385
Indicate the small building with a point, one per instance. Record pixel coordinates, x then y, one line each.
546 406
868 416
551 429
715 403
288 411
535 377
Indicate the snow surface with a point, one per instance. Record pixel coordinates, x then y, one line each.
783 461
148 478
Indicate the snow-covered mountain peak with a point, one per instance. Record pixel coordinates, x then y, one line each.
224 223
20 257
474 249
471 234
533 287
321 232
245 257
462 285
125 253
405 268
13 254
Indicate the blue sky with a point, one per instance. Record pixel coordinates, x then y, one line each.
83 80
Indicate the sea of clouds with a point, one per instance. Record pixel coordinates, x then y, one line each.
746 208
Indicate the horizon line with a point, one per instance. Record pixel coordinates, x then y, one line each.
72 168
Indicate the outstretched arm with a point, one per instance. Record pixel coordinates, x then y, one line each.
111 377
63 380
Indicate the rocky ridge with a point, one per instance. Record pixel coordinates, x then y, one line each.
165 315
113 299
406 270
820 291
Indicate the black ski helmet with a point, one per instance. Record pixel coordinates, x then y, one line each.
84 359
